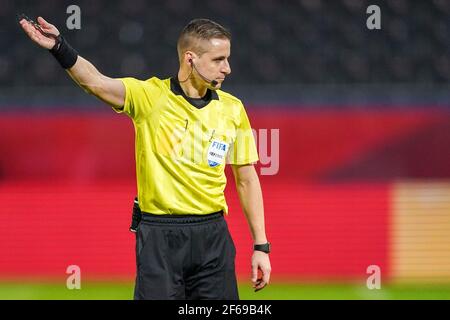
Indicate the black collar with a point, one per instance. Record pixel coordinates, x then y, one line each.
196 102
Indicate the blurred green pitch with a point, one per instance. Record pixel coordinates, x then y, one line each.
124 291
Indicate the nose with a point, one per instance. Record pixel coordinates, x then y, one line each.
226 69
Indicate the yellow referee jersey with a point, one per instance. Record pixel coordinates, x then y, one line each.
181 150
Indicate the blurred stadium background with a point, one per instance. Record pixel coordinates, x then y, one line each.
364 145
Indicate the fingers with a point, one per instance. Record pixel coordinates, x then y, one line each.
254 274
260 276
259 285
260 270
266 276
257 280
31 32
263 280
35 35
26 26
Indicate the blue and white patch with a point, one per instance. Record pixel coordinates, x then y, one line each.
217 152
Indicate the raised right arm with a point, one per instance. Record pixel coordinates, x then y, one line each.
109 90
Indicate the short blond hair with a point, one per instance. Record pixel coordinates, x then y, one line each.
197 31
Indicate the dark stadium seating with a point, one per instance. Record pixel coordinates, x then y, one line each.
274 42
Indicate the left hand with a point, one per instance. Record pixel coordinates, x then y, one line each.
260 270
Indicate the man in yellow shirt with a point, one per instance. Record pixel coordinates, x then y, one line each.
186 130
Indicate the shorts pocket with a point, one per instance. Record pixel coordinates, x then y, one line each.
142 236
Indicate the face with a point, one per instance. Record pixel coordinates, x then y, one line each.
213 64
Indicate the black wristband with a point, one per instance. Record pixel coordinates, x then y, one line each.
64 53
266 247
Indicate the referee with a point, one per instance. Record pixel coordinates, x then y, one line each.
186 130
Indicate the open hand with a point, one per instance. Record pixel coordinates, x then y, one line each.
37 36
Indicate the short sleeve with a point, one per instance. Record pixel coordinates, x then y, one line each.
243 149
139 97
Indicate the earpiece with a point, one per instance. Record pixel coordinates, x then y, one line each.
213 83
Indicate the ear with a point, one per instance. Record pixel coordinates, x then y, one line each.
189 56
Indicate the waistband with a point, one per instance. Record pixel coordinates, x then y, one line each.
180 218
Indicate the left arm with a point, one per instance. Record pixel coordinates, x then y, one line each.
250 195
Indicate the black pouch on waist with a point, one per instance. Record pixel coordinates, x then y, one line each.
136 216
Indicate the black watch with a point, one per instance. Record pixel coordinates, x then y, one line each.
262 247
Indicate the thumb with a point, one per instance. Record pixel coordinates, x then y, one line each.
42 22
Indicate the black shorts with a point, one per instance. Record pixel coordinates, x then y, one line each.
185 257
